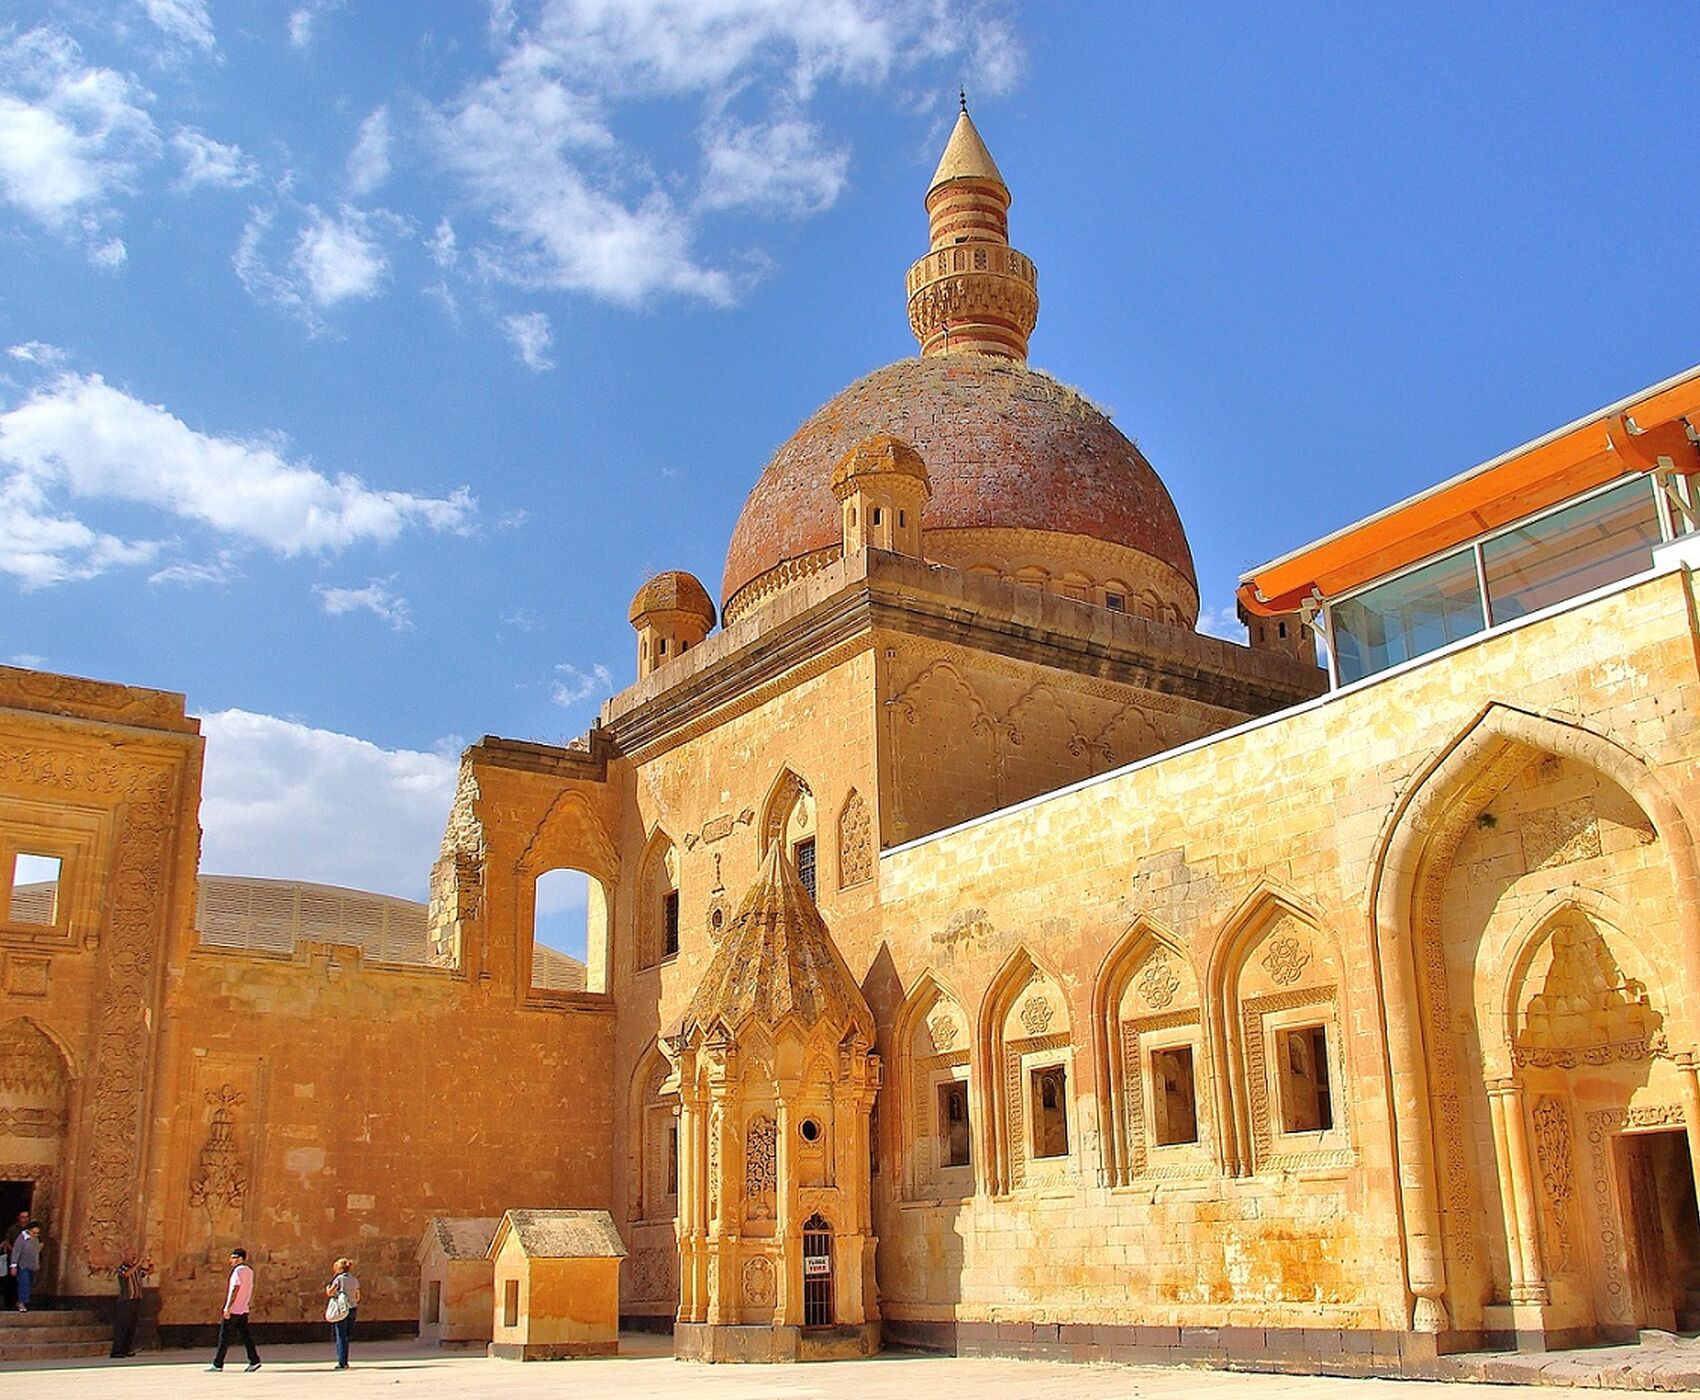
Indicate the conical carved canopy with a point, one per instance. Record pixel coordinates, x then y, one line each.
777 961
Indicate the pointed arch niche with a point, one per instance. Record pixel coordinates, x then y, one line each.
35 1105
657 914
1532 1041
934 1087
1030 1131
1154 1089
789 816
1280 1045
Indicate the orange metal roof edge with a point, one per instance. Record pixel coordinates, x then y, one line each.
1568 460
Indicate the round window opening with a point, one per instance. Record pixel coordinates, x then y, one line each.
716 919
810 1129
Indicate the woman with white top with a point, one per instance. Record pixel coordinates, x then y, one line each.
342 1296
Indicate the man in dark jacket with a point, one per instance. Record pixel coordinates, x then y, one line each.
132 1274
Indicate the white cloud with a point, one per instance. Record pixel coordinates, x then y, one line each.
334 258
37 352
575 207
110 255
210 162
532 339
572 685
284 800
186 21
377 598
369 161
339 258
79 437
303 17
28 660
72 137
777 166
442 245
215 571
1223 622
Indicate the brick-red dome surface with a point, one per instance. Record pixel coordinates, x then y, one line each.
1005 446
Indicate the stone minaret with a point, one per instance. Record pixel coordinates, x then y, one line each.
972 292
775 1075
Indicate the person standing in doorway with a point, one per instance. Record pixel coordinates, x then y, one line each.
13 1230
132 1274
238 1298
342 1295
26 1260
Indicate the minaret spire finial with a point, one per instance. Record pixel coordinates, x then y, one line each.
973 293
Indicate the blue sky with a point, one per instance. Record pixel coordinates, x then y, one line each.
363 359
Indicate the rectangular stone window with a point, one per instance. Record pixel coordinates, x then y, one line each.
804 851
1115 602
955 1139
510 1302
1174 1096
1307 1102
670 923
434 1300
672 1159
34 889
1048 1086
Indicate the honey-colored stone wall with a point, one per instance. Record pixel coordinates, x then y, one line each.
1218 894
321 1107
107 779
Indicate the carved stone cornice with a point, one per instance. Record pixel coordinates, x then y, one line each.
1004 622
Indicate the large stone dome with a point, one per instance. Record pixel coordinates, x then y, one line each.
1013 457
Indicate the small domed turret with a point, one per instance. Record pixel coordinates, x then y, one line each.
672 613
882 485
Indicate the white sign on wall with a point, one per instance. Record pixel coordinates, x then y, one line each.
816 1266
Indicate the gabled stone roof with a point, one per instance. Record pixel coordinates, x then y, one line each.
461 1236
562 1234
777 961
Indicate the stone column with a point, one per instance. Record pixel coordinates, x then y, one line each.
1425 1263
691 1170
1516 1174
786 1226
1689 1075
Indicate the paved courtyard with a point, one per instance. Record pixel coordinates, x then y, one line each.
645 1370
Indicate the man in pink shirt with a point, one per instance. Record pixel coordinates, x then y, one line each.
238 1296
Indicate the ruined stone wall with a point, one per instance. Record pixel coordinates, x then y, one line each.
319 1106
1217 896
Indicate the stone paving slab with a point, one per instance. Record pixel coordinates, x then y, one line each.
645 1370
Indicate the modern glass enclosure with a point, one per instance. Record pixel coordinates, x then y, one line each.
1561 553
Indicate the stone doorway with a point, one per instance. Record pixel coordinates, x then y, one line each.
14 1197
817 1273
1662 1228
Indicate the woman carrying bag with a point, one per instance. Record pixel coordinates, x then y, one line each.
342 1295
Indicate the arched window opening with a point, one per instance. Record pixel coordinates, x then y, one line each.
658 903
569 931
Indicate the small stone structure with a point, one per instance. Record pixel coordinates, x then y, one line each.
556 1277
456 1296
775 1076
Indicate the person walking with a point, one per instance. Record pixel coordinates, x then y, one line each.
132 1274
238 1298
342 1296
26 1259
